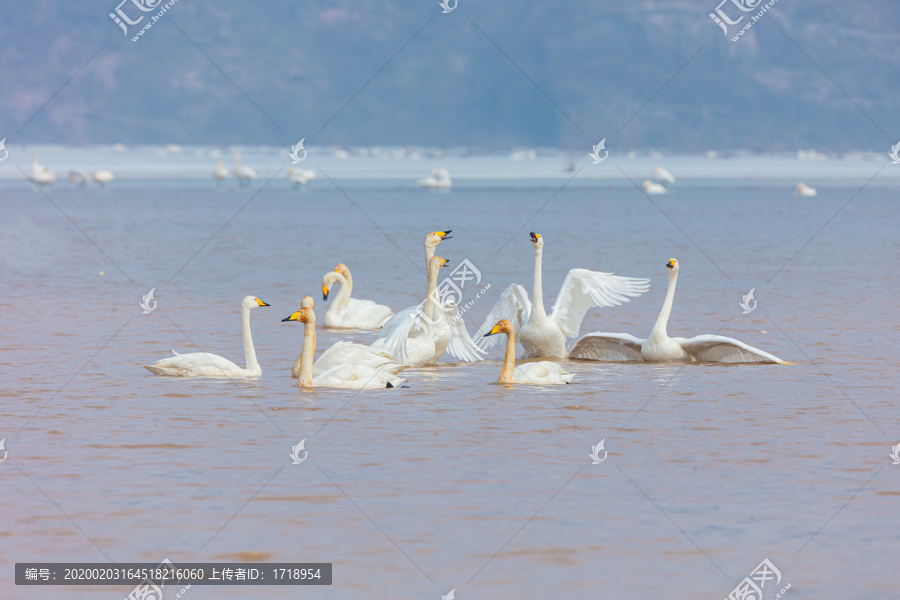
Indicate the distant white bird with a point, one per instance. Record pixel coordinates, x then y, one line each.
39 174
438 180
805 190
299 177
220 172
244 174
103 177
663 175
651 187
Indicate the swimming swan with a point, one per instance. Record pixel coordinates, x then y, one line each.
543 335
343 373
350 312
340 352
419 335
536 373
659 347
204 364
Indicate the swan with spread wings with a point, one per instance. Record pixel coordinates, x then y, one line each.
543 335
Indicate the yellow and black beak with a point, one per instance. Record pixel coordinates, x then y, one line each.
534 237
444 235
261 303
324 292
493 331
670 264
444 263
293 317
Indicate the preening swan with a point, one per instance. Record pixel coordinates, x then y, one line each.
537 373
340 366
350 312
299 177
651 187
244 174
659 347
204 364
420 335
79 177
805 190
438 180
543 335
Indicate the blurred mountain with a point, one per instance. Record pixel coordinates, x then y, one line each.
644 74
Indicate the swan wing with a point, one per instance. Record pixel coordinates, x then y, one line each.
607 346
359 377
196 364
584 289
718 348
513 306
461 345
394 334
344 352
541 373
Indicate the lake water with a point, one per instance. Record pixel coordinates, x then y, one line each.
455 481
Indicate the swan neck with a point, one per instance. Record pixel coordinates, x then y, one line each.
342 298
306 355
431 292
659 329
509 359
249 350
538 295
429 252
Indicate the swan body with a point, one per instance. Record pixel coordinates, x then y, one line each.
662 175
103 176
805 190
244 174
39 174
300 176
535 373
220 172
344 365
438 180
651 187
659 347
204 364
421 334
543 335
351 312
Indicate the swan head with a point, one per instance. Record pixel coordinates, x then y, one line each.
307 302
672 265
537 239
342 269
502 326
252 302
436 262
304 315
436 237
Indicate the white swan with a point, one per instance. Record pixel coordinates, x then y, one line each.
40 174
543 335
659 347
350 312
651 187
438 180
419 335
537 373
103 176
204 364
299 177
244 174
805 190
663 175
220 172
343 369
